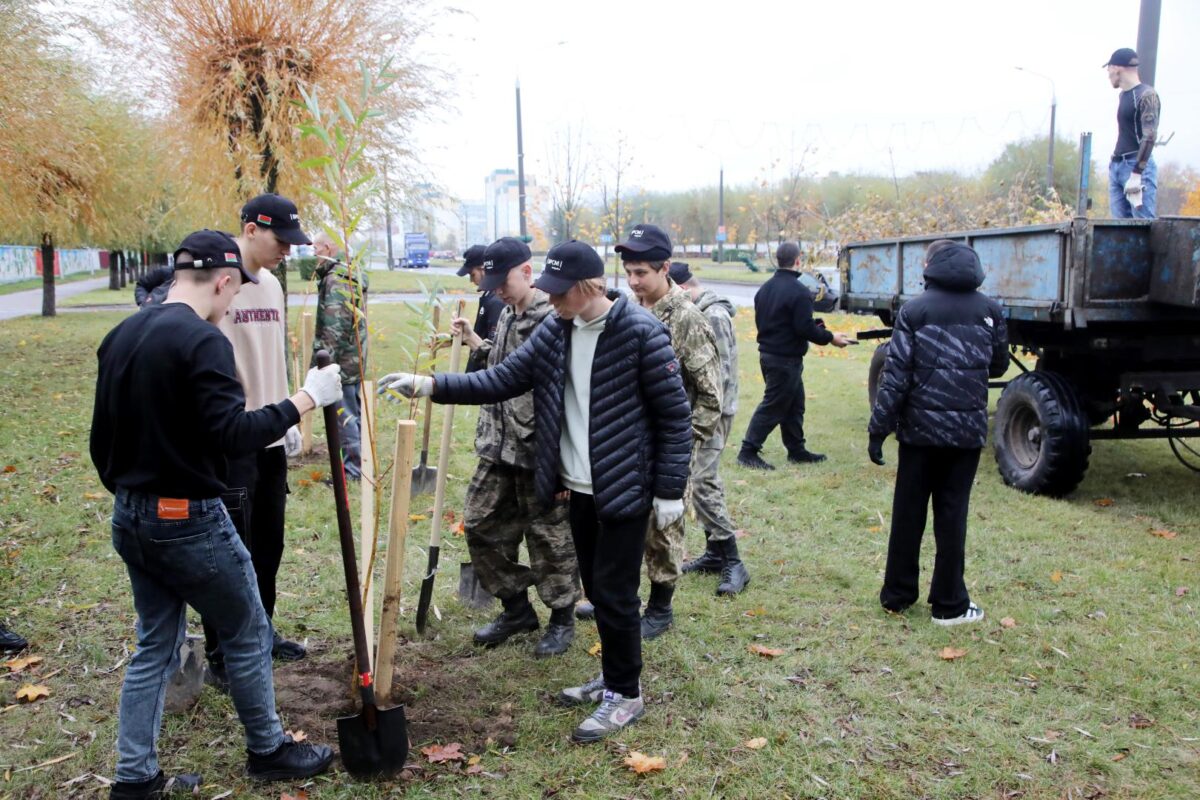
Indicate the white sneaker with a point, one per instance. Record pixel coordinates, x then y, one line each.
973 614
615 712
587 694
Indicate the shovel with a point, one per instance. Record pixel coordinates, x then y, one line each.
375 741
439 494
424 477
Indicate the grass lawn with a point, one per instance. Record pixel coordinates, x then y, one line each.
1082 682
36 283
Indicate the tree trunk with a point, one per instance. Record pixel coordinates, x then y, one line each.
124 266
113 280
48 275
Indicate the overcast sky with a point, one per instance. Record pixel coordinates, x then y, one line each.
862 84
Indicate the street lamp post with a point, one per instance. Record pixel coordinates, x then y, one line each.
520 167
1053 111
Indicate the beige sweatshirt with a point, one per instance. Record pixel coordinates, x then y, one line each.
255 326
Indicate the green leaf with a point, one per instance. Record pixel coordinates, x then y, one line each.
314 162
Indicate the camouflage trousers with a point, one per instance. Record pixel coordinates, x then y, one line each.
708 492
502 510
664 546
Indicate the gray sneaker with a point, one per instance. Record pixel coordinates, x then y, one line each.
615 712
973 614
591 692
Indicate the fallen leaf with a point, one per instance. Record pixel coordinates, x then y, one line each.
950 653
642 763
449 516
1053 735
1140 721
1056 576
9 468
1008 622
1118 756
297 736
755 612
1181 591
765 652
18 664
460 529
757 743
303 795
875 529
1104 502
594 650
473 760
303 482
94 495
316 474
474 769
1162 533
437 753
32 692
417 517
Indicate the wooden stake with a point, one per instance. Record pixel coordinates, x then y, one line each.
367 508
406 435
305 358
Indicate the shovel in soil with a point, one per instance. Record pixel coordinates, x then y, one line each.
375 741
424 477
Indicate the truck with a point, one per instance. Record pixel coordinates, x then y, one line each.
416 250
1107 310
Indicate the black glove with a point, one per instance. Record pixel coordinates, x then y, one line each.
875 449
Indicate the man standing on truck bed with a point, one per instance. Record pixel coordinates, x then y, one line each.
1132 173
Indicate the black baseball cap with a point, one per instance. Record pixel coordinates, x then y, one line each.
212 250
646 243
1124 57
277 213
568 263
679 272
501 256
471 259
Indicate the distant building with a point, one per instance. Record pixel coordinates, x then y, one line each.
502 204
474 218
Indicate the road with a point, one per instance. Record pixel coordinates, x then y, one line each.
20 304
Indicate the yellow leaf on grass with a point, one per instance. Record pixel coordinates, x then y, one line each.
94 495
30 692
641 763
18 664
472 761
417 517
1164 534
951 653
594 650
755 612
1056 576
1104 502
1008 622
757 743
875 529
765 652
297 736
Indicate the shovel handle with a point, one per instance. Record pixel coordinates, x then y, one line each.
337 474
437 316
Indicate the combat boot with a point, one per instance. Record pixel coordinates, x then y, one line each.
711 561
518 616
752 460
560 632
658 617
734 575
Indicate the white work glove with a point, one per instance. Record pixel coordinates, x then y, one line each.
406 384
323 385
1133 188
667 511
292 442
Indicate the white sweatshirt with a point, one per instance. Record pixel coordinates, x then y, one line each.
574 447
254 324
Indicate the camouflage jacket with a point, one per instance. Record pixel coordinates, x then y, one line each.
696 348
719 313
504 434
341 306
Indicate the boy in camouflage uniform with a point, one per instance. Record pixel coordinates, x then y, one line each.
341 329
646 257
501 504
708 492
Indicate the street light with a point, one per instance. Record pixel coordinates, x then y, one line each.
1053 109
521 157
720 237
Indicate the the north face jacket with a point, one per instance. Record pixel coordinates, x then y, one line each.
945 345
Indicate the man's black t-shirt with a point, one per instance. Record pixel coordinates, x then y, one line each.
169 407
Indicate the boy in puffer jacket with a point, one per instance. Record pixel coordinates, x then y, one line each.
933 393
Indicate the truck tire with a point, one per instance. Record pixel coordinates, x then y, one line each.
875 372
1041 434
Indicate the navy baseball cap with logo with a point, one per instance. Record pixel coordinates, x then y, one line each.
1124 57
646 243
212 250
501 256
567 264
471 259
277 213
680 272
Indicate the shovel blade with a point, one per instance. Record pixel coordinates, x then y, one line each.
424 479
378 750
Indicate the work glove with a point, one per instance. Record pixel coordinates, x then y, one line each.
666 511
1133 188
324 385
875 448
406 384
292 442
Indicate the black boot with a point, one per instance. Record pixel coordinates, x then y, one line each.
658 616
711 561
290 761
734 575
752 460
159 786
285 650
560 632
518 616
11 642
806 457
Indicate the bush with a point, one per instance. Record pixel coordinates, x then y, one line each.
306 265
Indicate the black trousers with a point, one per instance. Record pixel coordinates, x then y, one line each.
782 404
610 565
944 474
256 501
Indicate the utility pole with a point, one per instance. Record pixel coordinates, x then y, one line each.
520 167
1147 39
1053 113
721 217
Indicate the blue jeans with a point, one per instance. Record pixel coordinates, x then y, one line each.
173 563
350 410
1119 206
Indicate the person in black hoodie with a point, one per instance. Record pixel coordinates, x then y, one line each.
933 393
783 314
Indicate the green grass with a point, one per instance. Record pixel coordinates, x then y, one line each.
36 283
858 705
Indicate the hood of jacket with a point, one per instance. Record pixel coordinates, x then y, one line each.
955 268
709 298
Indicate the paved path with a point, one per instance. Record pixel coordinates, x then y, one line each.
20 304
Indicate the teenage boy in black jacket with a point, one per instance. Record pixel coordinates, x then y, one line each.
612 434
933 393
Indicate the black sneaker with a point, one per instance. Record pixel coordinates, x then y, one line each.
556 640
753 461
806 457
11 642
157 787
507 625
286 650
290 761
216 677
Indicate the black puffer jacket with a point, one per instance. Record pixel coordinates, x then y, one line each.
641 434
945 345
